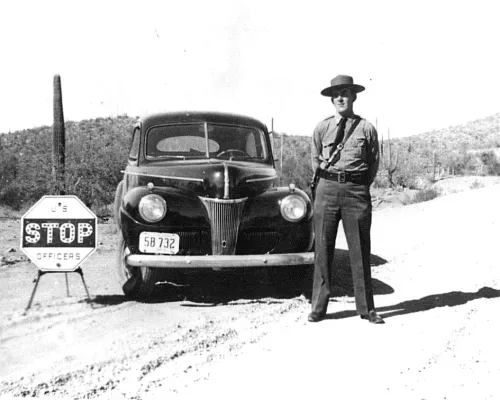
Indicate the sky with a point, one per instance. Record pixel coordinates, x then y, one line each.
425 64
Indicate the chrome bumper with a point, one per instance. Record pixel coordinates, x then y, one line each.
233 261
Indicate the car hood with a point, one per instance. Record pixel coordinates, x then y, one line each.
216 178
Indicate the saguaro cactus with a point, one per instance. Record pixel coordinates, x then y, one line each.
58 140
391 165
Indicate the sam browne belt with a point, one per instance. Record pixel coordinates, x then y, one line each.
358 177
332 160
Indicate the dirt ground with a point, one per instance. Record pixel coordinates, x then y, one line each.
218 336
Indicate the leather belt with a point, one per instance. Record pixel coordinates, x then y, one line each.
344 176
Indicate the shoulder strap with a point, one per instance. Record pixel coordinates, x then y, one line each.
340 146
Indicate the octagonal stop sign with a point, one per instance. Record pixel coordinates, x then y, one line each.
58 233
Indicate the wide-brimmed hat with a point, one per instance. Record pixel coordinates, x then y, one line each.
342 81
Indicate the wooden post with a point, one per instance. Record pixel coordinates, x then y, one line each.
58 140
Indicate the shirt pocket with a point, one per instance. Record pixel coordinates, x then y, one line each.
327 150
359 148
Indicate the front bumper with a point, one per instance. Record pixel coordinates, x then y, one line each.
235 261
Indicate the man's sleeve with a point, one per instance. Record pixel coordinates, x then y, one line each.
316 148
373 153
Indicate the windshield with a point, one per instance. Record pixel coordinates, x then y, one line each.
188 141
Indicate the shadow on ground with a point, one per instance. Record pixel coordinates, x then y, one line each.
280 283
342 284
450 299
208 288
110 300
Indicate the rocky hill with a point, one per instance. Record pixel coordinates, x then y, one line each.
97 150
479 134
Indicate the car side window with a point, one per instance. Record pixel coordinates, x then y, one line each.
134 146
255 146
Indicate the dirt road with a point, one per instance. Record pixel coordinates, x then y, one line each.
437 283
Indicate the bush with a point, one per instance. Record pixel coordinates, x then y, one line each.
476 185
12 195
490 163
424 195
381 180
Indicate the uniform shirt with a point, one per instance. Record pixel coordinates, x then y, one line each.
360 152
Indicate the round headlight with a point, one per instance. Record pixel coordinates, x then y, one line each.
152 207
293 208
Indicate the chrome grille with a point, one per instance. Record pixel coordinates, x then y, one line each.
225 217
257 242
197 242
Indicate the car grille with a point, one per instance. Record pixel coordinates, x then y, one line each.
194 243
225 217
257 242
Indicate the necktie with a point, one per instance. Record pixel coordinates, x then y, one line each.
340 132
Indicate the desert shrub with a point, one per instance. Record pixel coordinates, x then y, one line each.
381 180
463 162
490 163
296 156
12 195
404 164
423 195
476 185
408 173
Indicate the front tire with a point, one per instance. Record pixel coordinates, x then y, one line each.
136 282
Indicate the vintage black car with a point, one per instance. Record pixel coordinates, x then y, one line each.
201 191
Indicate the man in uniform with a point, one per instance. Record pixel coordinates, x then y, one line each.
345 156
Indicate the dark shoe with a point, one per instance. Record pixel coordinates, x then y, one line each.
315 317
373 318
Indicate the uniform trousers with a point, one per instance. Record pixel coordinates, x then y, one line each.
351 203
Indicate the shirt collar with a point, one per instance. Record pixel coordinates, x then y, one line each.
338 118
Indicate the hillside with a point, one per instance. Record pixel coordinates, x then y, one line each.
414 161
479 134
461 148
97 151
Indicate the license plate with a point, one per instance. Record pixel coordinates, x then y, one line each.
157 242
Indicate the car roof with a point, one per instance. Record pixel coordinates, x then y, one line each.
200 116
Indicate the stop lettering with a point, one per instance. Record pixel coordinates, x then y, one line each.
68 232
